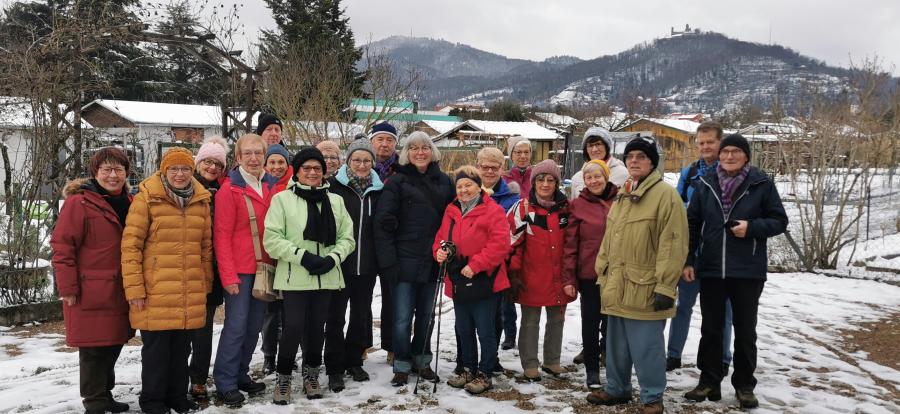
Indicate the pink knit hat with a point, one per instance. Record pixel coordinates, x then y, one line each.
215 148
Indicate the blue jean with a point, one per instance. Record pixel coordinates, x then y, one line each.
641 344
477 317
681 323
412 300
243 321
509 320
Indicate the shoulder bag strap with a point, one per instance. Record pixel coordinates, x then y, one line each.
257 250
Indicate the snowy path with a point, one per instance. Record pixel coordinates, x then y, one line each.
803 367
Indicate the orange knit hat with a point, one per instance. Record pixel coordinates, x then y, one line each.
602 165
176 156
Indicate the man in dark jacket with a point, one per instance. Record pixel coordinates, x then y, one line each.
733 211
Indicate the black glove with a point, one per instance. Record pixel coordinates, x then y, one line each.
662 302
310 261
324 267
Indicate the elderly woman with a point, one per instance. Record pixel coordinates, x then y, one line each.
86 245
584 234
245 193
358 184
475 224
167 273
332 154
538 223
407 217
734 210
310 233
276 165
210 160
519 176
597 145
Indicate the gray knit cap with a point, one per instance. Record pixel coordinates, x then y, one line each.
360 145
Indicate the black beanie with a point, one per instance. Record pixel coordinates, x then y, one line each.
736 140
264 121
647 146
306 154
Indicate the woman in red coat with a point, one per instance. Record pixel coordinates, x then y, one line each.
86 259
481 239
537 224
587 224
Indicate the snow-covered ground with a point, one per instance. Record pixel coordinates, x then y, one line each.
804 365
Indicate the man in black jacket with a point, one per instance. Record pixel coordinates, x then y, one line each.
733 211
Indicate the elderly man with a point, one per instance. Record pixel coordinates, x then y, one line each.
332 154
638 268
384 142
269 127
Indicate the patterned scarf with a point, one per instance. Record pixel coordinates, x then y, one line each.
385 167
729 184
360 184
181 197
702 167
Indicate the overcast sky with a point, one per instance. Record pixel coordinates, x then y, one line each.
833 31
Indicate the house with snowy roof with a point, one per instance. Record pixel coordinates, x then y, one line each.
674 136
475 133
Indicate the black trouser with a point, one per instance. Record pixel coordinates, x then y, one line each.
342 352
271 329
201 348
164 368
744 295
98 376
305 313
593 324
387 314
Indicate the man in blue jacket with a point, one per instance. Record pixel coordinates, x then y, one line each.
709 134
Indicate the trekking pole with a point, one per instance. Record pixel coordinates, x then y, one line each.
437 347
427 342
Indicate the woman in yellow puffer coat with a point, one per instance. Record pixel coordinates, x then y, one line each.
167 272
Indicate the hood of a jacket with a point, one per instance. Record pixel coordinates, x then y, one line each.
344 178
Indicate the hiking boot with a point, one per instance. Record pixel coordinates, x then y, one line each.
459 368
230 398
252 387
579 359
601 397
311 386
532 374
652 408
282 390
508 343
746 398
428 374
554 370
390 358
400 379
462 379
593 380
672 364
116 406
198 392
704 392
358 374
185 406
480 384
269 365
336 382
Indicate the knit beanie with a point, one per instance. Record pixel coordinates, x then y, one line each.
383 128
306 154
277 149
736 140
213 148
593 135
645 145
176 156
513 142
601 163
265 120
545 167
360 145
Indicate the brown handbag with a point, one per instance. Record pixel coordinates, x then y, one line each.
264 282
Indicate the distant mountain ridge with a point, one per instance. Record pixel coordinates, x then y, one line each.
705 72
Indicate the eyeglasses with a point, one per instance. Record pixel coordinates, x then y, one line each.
248 154
331 158
112 170
212 163
356 161
311 168
730 152
636 156
181 170
489 169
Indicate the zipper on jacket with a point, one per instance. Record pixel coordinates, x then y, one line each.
319 277
724 220
289 274
754 247
359 233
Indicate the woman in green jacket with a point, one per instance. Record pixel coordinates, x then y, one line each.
309 232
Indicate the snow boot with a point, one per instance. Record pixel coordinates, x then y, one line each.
704 392
462 379
358 374
579 359
336 382
601 397
282 390
311 386
746 398
480 384
652 408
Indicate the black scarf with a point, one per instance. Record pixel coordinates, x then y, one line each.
119 202
320 225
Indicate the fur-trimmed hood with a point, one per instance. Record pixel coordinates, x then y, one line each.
83 184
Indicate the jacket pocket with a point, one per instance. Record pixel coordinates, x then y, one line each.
637 289
100 292
610 290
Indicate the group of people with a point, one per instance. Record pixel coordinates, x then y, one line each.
334 223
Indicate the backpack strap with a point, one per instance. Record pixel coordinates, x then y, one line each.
688 181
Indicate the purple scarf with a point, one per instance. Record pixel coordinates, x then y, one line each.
386 167
729 184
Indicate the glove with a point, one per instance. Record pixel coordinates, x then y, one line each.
311 261
662 302
324 267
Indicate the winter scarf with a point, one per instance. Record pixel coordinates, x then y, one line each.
359 184
729 184
384 167
467 206
119 202
181 197
320 224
